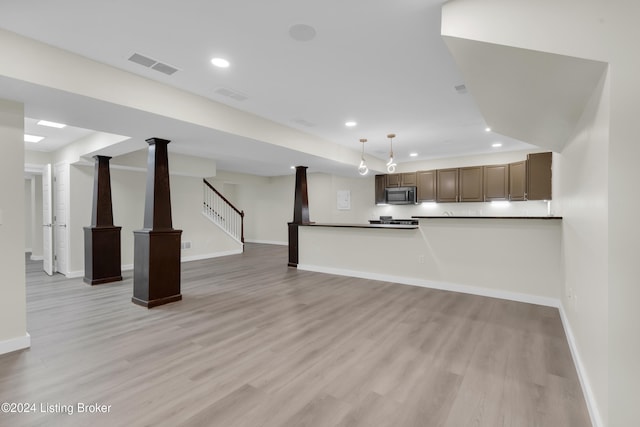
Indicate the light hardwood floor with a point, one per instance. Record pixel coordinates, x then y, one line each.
254 343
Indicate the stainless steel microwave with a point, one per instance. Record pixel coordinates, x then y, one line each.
400 195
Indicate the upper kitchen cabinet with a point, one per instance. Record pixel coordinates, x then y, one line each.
471 184
447 185
401 179
426 181
518 181
381 182
496 182
539 176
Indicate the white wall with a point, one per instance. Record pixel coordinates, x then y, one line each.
28 216
128 192
268 202
584 192
13 317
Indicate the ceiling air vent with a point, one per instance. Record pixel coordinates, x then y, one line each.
164 68
145 61
233 94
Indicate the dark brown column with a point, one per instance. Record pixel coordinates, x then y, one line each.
300 213
102 239
156 262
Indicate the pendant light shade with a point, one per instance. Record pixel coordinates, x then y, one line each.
391 165
363 169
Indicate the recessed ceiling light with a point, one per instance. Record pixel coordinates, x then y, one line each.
487 129
496 145
51 124
220 62
413 154
350 124
32 138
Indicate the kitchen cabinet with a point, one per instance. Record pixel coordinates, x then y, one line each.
381 182
539 176
496 182
470 184
426 183
407 179
518 181
447 185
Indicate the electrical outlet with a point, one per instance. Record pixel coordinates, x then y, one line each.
185 245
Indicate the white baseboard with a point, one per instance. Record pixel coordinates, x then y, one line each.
466 289
211 255
15 344
37 257
594 413
129 267
74 274
268 242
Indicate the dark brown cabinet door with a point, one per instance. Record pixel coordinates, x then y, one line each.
394 179
518 181
447 185
408 180
539 176
426 181
496 182
381 182
471 184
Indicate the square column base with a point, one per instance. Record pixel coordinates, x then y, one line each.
156 267
102 255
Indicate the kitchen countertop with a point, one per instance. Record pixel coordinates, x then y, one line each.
487 217
383 226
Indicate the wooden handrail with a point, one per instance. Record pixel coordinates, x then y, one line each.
241 213
238 211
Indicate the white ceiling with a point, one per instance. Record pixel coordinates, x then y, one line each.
380 63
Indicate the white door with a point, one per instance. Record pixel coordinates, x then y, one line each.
60 217
47 221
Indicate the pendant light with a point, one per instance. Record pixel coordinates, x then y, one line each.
391 165
363 169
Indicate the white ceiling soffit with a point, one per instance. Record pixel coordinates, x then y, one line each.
533 96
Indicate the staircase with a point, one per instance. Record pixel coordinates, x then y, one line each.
222 213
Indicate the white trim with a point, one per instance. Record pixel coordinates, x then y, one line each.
454 287
267 242
15 344
211 255
592 406
126 267
73 274
37 257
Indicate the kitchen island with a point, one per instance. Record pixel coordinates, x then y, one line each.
516 258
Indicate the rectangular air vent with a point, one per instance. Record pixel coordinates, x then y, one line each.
142 60
145 61
233 94
164 68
